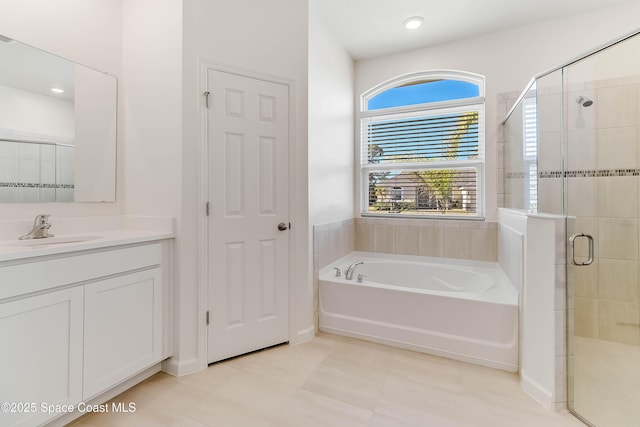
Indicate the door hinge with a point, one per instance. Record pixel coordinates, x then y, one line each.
206 98
207 317
289 226
206 208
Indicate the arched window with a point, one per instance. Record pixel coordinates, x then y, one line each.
423 134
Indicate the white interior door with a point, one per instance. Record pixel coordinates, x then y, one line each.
248 137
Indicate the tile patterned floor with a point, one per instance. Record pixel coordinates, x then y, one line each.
334 381
607 382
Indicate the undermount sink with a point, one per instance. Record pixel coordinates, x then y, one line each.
56 240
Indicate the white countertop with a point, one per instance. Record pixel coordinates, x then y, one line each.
11 250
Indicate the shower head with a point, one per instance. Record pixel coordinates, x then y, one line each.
584 101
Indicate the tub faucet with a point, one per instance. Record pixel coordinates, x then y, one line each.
352 268
40 228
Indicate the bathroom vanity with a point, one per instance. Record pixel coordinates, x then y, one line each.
80 317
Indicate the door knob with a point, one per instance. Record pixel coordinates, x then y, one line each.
282 226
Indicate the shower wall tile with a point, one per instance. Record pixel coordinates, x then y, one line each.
618 238
549 151
617 148
48 173
29 152
29 195
621 279
586 317
582 197
9 150
577 116
617 106
585 279
9 195
590 226
9 170
548 107
619 322
581 150
30 171
618 196
550 195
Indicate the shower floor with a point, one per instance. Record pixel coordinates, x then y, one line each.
607 382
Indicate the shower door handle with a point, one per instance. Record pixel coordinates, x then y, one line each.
572 242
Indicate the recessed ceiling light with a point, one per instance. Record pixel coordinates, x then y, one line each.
413 22
57 90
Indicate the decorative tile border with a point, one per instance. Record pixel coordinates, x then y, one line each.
33 185
592 173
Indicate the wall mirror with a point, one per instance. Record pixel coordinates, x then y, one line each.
57 128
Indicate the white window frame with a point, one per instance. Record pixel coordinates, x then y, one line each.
434 108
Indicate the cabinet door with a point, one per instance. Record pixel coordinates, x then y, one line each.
122 328
40 355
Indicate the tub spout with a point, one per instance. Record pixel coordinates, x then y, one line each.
352 268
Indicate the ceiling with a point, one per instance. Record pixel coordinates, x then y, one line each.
369 28
27 68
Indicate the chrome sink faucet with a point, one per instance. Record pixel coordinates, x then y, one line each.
352 268
40 229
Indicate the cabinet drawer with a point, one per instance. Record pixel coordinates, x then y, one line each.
40 275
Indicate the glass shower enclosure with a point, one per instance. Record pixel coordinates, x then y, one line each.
573 148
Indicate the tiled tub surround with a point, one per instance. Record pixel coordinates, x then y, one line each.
473 240
35 171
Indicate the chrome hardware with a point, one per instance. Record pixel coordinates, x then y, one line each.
40 228
572 242
338 271
348 275
360 277
282 226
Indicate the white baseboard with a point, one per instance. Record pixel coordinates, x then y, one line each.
537 391
303 335
179 368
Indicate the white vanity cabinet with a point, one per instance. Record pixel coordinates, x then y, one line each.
74 325
122 328
40 355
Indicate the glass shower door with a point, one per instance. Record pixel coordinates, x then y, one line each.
600 125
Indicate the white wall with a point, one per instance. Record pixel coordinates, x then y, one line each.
331 121
266 37
95 105
86 31
151 106
152 119
508 59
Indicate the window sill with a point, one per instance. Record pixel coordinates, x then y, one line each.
434 217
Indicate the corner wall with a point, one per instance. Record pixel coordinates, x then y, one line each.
331 123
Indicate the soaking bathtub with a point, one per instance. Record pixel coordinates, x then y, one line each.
464 310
